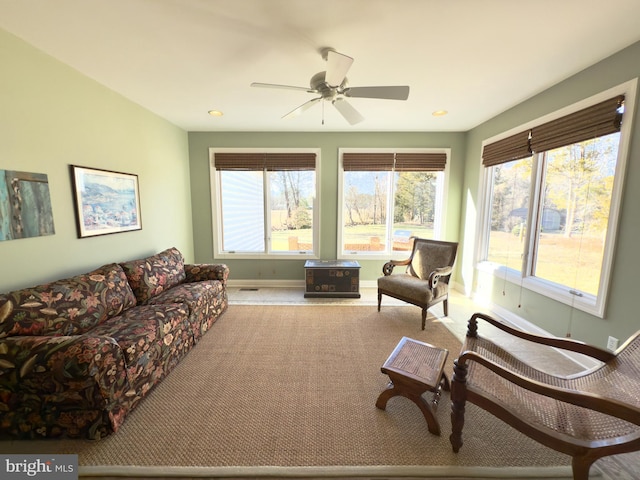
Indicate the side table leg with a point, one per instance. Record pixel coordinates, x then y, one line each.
386 394
427 411
423 405
445 383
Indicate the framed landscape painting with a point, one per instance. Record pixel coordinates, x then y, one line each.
105 201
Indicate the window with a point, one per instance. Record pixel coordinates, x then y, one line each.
510 188
264 202
552 193
387 196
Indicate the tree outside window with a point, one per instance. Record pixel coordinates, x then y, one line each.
385 202
571 222
553 191
265 202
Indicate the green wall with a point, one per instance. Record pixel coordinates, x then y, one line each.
50 117
621 317
328 143
620 320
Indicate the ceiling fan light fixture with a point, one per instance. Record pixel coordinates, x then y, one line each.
440 113
215 113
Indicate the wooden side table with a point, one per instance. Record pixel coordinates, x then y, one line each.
414 368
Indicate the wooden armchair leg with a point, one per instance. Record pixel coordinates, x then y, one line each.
457 422
445 307
379 299
581 467
424 318
458 401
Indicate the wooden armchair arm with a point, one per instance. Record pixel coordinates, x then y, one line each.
564 343
608 406
434 277
387 268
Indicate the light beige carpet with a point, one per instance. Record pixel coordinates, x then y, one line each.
277 391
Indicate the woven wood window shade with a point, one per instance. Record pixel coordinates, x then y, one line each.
595 121
420 162
370 162
290 161
265 161
511 148
402 162
592 122
239 161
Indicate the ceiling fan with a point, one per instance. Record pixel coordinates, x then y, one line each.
331 86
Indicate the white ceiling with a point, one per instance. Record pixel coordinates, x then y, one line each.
181 58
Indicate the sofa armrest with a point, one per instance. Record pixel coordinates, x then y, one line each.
206 271
75 386
78 368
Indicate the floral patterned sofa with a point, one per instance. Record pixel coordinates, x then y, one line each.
78 354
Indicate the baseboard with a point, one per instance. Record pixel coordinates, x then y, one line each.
285 283
300 284
265 283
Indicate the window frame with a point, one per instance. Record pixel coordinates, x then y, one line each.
440 204
216 206
594 305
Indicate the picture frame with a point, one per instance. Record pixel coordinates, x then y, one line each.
105 201
25 205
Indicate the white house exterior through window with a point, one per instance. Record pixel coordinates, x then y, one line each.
265 202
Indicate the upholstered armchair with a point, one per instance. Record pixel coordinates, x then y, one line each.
425 281
587 415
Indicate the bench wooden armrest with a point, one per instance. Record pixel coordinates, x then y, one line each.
608 406
563 343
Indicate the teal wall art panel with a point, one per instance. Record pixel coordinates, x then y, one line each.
25 205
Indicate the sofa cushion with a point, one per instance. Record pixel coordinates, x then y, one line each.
150 276
205 300
148 335
70 306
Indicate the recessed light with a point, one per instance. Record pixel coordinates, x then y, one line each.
215 113
439 113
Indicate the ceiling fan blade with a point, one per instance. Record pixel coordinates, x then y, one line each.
337 67
397 92
285 87
350 114
302 108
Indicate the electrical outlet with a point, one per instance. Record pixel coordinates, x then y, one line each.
612 343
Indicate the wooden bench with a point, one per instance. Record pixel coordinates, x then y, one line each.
414 368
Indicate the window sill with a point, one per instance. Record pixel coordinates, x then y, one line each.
267 256
559 293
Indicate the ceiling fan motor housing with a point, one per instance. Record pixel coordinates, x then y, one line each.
327 92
